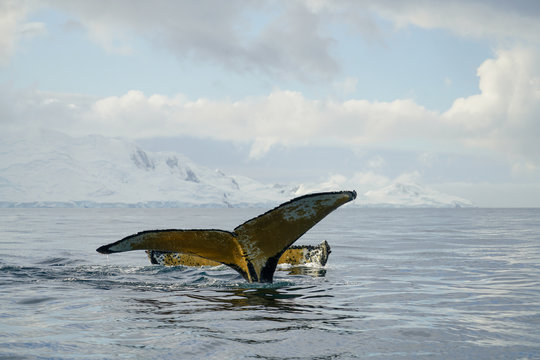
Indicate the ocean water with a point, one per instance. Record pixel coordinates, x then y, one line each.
399 284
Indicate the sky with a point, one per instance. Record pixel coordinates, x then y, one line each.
348 94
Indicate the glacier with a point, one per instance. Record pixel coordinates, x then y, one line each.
45 168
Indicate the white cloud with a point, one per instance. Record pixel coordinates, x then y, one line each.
12 27
369 180
500 20
283 117
281 39
503 117
376 162
427 158
409 177
284 39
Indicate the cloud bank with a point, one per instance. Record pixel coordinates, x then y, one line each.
503 117
277 38
13 26
284 39
293 39
500 20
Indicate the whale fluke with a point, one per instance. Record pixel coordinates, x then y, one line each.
295 255
253 248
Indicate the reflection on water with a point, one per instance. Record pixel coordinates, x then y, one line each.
314 271
247 315
215 300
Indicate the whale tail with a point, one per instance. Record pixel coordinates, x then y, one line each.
254 247
295 255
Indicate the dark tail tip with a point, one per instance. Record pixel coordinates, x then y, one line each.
104 249
353 194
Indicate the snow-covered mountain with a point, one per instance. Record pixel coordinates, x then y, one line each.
46 168
411 195
52 169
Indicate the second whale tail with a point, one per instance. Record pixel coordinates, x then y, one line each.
295 255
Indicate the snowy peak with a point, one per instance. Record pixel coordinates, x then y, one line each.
51 168
411 195
47 168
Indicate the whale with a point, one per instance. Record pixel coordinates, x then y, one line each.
253 248
295 255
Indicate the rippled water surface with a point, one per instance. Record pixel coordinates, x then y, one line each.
399 284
